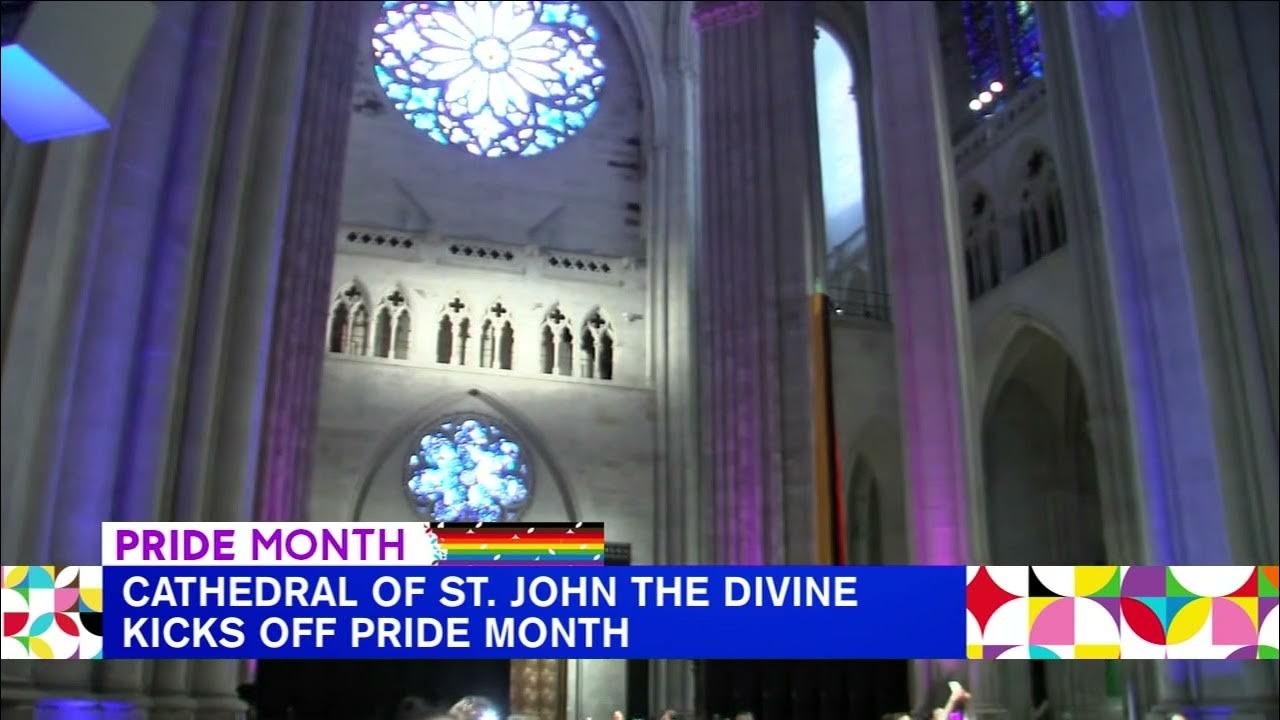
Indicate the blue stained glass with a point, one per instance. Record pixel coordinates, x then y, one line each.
982 42
468 470
1024 40
481 69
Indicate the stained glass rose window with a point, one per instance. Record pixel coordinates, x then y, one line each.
468 470
496 78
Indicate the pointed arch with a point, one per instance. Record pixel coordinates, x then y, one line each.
564 351
983 262
865 515
403 328
349 319
453 334
597 346
359 343
557 343
497 337
339 316
1033 179
382 334
547 466
1037 453
878 518
392 326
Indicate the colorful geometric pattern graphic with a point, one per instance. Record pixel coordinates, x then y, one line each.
1122 612
52 612
520 543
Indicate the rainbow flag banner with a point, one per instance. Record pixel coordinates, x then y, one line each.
484 543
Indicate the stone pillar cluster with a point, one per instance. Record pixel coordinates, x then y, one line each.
756 270
306 267
930 311
148 272
1186 204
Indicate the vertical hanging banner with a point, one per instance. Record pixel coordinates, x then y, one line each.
401 591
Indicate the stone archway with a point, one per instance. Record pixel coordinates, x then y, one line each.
1043 501
864 528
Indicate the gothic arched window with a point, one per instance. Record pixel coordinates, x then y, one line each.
840 156
444 340
468 469
548 350
982 245
403 326
1042 224
506 345
557 344
982 39
597 347
349 322
391 331
359 331
496 78
1024 40
454 334
382 334
496 338
338 328
1002 39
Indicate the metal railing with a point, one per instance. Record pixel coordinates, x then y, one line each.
856 303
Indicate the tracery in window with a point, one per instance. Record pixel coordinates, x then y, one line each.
359 331
391 331
1024 40
1002 38
349 322
496 78
468 469
453 334
497 338
557 344
597 347
983 266
981 33
1042 224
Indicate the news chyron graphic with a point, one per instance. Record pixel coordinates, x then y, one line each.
542 591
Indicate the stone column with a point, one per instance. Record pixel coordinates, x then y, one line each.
143 297
1081 688
756 271
672 185
306 266
1188 215
930 314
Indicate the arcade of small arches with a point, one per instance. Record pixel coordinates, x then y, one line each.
1036 219
383 329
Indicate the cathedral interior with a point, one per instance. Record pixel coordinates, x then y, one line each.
757 283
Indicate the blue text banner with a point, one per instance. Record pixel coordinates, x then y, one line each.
881 612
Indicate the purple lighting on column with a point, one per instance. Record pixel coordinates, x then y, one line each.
934 455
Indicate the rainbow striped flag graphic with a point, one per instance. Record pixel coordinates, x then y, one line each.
485 543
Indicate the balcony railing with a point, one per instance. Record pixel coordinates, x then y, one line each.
862 304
